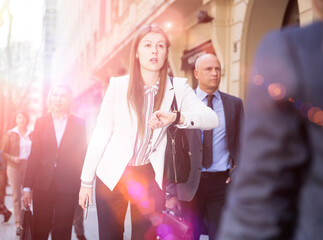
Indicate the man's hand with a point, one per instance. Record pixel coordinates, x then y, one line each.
173 205
228 180
26 199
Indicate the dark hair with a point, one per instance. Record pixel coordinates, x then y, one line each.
23 112
135 95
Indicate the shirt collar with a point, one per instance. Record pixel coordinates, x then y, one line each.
15 130
154 88
202 95
63 119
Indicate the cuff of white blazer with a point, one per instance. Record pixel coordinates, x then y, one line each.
87 184
26 189
187 122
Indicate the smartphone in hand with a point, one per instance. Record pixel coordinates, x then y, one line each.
86 210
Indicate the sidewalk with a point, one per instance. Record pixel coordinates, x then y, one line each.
8 230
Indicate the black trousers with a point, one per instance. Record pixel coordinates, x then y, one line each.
138 186
53 212
205 209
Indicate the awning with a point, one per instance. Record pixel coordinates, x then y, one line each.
190 56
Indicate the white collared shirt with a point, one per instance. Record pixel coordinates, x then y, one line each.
59 126
24 143
220 149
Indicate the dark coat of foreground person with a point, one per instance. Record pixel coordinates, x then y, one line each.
278 189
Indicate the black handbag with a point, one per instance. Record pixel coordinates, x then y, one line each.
26 226
177 156
174 227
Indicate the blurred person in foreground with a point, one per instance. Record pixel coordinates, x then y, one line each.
127 147
54 167
16 151
278 189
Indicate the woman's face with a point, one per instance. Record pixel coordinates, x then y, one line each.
59 100
21 120
152 52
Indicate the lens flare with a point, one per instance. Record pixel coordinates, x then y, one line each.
318 118
312 112
135 190
258 80
276 91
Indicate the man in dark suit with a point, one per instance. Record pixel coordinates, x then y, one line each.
278 189
54 167
214 152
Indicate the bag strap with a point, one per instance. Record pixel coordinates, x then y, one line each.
174 103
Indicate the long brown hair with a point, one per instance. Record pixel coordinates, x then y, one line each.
135 95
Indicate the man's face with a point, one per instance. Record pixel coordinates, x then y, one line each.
208 73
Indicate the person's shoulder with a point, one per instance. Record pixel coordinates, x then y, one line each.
78 120
120 83
305 35
230 97
179 81
11 133
45 118
120 79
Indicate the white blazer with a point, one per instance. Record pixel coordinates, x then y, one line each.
113 139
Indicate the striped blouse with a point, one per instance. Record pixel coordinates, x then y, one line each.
142 149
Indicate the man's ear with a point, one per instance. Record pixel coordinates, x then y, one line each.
196 73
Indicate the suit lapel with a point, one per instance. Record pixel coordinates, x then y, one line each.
68 128
52 136
166 104
227 113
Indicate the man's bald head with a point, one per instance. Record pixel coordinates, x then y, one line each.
208 72
207 55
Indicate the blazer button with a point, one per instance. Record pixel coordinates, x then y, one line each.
192 123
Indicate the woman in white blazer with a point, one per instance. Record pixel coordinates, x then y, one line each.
127 147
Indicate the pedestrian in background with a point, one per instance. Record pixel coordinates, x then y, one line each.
16 151
3 184
78 223
278 189
54 167
127 148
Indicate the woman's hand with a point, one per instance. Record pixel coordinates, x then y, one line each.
26 199
85 193
163 118
17 160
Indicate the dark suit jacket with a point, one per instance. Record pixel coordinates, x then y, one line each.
68 157
278 190
233 114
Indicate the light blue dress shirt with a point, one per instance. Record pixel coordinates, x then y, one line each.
220 148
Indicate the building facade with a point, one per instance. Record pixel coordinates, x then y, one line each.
95 37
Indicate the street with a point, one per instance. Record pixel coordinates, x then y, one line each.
8 230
